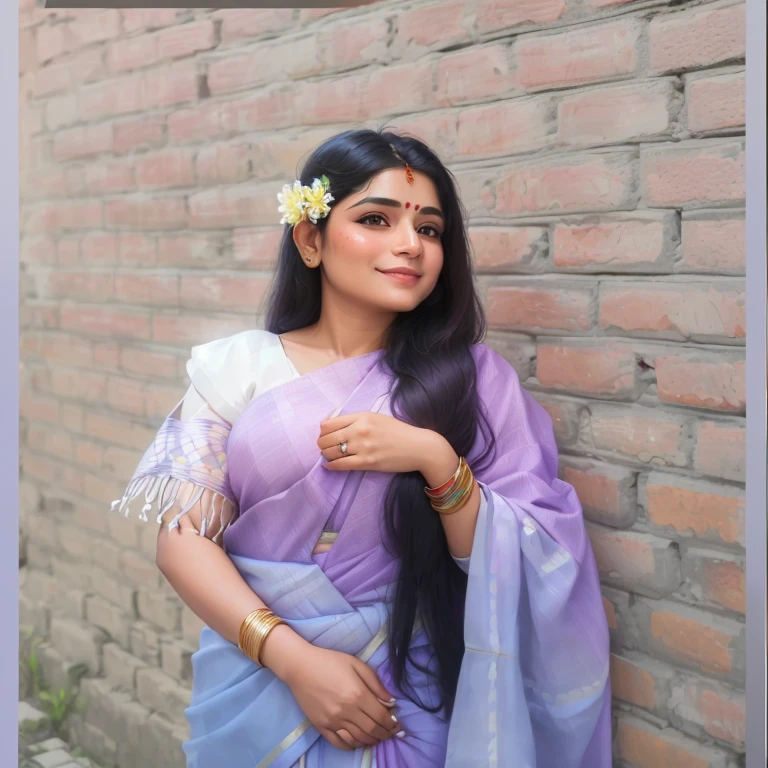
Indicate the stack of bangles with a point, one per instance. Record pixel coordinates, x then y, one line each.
254 630
454 493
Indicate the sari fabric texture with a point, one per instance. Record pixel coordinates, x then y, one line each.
533 689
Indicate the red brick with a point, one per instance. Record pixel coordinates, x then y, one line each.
225 163
82 141
101 322
518 248
640 434
112 97
610 613
205 122
169 85
397 89
617 113
154 290
599 369
716 244
472 74
92 26
699 311
721 450
589 54
256 248
337 100
637 562
106 355
38 408
135 249
135 19
109 177
38 250
355 44
68 251
166 169
267 110
77 384
640 681
684 507
493 15
696 639
435 24
693 174
607 3
149 364
637 241
697 38
716 578
223 293
597 181
434 129
185 39
264 65
716 101
702 381
196 329
56 78
607 493
159 213
138 134
50 42
504 128
61 111
566 417
84 286
115 430
126 396
241 22
231 207
719 711
190 251
99 249
537 306
641 745
132 53
64 216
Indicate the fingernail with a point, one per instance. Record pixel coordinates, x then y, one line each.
400 734
394 718
390 703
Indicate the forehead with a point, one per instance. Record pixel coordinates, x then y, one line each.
394 183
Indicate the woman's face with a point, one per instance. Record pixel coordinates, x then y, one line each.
390 224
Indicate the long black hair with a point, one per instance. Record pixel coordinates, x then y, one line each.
428 351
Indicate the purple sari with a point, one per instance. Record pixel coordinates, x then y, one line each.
533 689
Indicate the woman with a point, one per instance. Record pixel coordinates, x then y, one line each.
389 569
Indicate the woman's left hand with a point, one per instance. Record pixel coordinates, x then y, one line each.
378 442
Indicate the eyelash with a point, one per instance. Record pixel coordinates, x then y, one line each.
379 216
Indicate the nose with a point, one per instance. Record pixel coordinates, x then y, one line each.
410 242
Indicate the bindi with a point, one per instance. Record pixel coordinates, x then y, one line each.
416 208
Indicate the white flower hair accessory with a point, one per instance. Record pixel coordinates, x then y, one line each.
300 202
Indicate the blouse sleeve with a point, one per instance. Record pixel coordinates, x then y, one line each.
186 463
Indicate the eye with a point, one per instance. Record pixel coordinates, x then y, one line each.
435 232
370 216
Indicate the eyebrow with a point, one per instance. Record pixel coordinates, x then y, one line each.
397 204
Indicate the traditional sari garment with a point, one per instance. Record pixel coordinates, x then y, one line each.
534 688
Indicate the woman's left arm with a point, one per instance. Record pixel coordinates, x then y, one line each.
439 463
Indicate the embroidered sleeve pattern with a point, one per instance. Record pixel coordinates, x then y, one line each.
184 455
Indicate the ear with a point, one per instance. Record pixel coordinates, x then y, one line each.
307 238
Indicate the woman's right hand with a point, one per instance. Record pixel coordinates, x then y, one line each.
342 697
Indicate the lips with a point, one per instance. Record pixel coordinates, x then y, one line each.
409 272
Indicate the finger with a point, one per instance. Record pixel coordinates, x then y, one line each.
377 730
347 738
371 679
334 740
358 734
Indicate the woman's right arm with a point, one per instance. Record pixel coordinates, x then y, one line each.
338 692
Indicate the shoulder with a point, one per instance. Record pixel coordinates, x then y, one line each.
228 371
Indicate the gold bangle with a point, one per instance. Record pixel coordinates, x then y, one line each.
460 504
463 481
247 621
255 630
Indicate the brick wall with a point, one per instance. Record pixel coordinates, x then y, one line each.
599 146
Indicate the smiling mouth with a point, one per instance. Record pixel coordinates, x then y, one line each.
402 277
